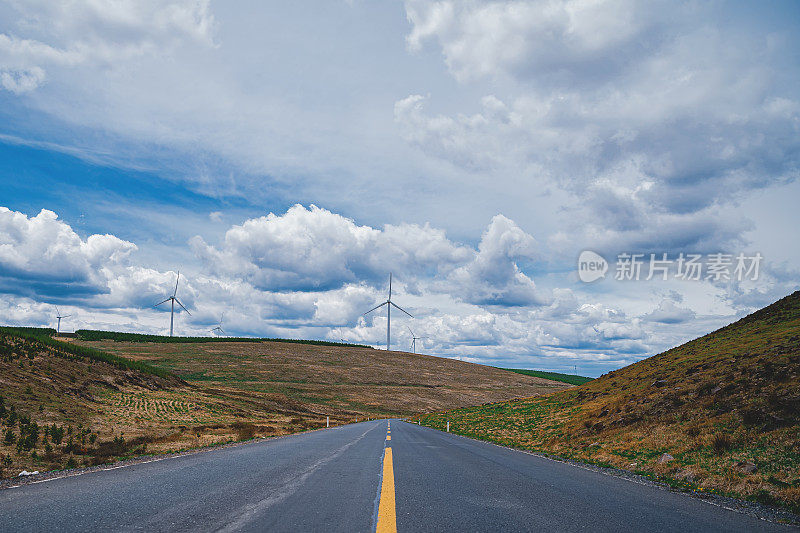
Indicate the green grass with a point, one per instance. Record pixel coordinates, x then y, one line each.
96 335
554 376
42 335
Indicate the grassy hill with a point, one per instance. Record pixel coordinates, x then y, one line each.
340 381
75 403
724 407
572 379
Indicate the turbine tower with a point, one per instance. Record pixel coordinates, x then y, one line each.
414 340
389 303
59 316
173 300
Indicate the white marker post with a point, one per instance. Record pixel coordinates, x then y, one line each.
448 426
327 421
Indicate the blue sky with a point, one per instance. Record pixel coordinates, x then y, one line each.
287 156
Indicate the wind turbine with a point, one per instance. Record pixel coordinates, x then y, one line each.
218 330
173 300
414 340
59 316
389 303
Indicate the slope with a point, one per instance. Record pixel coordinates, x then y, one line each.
724 408
343 382
65 404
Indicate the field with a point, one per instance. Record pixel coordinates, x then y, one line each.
572 379
342 382
67 402
724 408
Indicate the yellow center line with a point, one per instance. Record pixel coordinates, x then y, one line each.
387 518
388 437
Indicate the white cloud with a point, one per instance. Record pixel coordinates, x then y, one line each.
493 276
649 118
312 248
530 38
468 303
668 312
40 254
73 33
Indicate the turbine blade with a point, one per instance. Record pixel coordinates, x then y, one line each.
176 284
66 316
390 286
58 313
409 330
400 308
179 303
165 301
377 306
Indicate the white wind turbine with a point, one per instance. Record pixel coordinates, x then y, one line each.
389 303
173 300
59 316
414 340
218 330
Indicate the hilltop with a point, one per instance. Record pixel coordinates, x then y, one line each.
724 408
342 381
65 404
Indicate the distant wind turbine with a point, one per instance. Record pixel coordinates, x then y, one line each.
414 340
389 303
173 300
218 330
59 316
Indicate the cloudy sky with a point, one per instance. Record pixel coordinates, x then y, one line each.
287 156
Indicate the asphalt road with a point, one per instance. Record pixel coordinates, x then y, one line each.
342 479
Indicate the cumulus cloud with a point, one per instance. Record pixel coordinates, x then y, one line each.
43 256
668 312
477 303
313 248
493 276
531 38
649 118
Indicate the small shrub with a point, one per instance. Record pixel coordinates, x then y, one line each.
244 430
721 443
56 434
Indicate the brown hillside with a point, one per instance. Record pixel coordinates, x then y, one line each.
62 408
725 407
334 380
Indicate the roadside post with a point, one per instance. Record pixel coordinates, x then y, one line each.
327 421
448 426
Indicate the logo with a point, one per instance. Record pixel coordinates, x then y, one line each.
591 266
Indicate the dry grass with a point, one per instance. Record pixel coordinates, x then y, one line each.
731 396
232 391
336 381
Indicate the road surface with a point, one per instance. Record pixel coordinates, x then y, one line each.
356 478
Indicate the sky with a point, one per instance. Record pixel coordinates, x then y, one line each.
285 157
